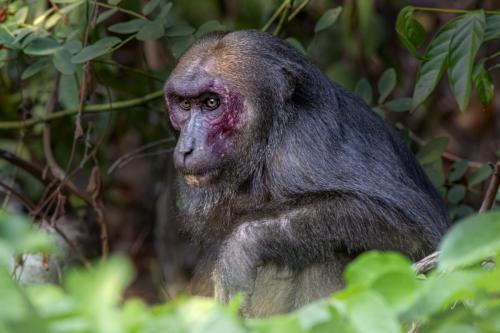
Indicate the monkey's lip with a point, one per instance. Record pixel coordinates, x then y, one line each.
200 178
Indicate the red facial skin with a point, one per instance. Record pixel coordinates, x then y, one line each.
213 130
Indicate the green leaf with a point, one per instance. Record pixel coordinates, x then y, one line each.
386 84
180 30
479 176
62 61
432 68
21 15
151 31
52 21
65 1
150 6
164 11
435 173
128 27
105 15
208 27
432 151
401 104
68 92
483 83
410 31
470 241
180 44
114 2
456 194
34 68
368 312
397 288
492 30
93 51
464 45
297 45
41 46
458 170
370 266
73 46
364 90
327 19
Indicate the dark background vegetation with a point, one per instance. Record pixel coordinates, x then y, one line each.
128 198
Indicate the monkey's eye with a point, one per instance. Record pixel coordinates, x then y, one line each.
185 104
212 103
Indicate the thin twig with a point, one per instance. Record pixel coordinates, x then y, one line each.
120 9
95 108
125 158
426 264
24 200
453 11
447 155
492 190
284 18
297 10
275 15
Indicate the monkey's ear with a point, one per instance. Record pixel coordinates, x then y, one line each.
290 83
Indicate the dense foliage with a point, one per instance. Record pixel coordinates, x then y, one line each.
62 63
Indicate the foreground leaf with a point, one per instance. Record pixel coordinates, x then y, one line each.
410 31
470 241
93 51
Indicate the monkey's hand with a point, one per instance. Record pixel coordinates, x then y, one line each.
236 268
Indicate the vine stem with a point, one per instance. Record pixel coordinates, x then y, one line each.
95 108
123 10
275 15
454 11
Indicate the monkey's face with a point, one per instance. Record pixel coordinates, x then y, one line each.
210 115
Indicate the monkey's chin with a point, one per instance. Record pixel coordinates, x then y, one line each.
201 180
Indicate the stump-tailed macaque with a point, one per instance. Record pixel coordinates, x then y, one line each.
285 177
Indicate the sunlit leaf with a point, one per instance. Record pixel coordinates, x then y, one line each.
21 15
464 45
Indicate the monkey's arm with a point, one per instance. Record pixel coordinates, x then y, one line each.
309 233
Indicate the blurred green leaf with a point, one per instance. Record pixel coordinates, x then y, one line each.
21 15
73 46
68 92
62 61
52 21
150 6
151 31
114 2
458 170
34 68
432 150
128 27
364 90
180 44
470 241
464 45
410 31
492 29
208 27
41 46
456 194
479 175
483 83
327 19
369 312
180 30
401 104
93 51
296 44
105 15
386 84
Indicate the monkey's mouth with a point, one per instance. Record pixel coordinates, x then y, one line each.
200 179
